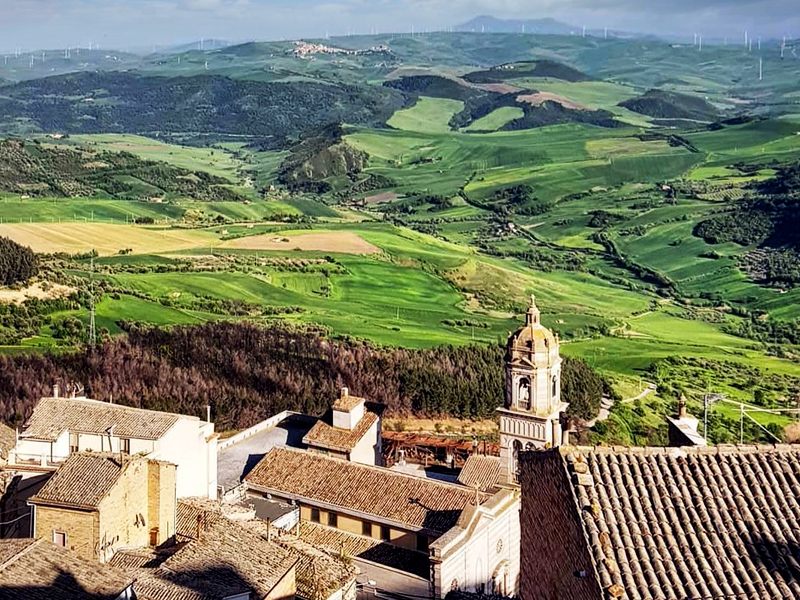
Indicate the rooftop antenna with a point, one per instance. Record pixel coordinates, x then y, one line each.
92 324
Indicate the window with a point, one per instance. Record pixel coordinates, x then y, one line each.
524 395
315 515
333 520
422 542
60 539
366 528
386 533
125 445
73 442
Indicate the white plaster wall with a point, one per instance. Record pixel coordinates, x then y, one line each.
367 451
185 446
475 561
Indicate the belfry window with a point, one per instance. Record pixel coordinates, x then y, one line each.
524 394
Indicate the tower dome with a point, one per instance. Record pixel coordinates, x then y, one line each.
533 343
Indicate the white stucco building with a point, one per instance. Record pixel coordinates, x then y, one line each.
350 430
532 417
61 426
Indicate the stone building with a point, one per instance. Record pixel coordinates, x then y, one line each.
533 414
410 534
97 503
61 426
661 523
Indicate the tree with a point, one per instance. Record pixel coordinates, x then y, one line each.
582 387
17 263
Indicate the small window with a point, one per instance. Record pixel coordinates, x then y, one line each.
60 539
125 445
422 542
386 533
73 442
366 528
315 515
333 519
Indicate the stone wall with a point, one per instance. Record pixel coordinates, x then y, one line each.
80 526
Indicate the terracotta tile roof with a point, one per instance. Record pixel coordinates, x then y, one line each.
82 481
141 558
324 435
39 570
53 416
384 494
195 515
337 541
8 440
230 555
690 523
481 471
318 573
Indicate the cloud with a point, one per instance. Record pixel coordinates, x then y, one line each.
121 23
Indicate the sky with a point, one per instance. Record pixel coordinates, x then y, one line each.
121 24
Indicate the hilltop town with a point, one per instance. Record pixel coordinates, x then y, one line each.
505 310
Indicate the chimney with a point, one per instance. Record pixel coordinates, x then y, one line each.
345 392
682 407
55 391
208 413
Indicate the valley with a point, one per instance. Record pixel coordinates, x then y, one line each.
464 173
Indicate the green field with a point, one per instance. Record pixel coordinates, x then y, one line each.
428 115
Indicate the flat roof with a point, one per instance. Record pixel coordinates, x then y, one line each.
236 461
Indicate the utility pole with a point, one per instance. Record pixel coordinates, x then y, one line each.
92 324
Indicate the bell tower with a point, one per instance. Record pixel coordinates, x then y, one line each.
533 413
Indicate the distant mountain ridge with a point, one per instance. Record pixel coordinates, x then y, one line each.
489 24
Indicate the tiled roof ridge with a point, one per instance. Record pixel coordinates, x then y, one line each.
20 554
113 405
590 499
112 457
679 451
382 470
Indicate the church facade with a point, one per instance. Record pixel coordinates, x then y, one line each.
533 414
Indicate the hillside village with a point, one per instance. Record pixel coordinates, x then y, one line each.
107 501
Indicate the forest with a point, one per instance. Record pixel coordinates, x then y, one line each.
122 102
17 263
248 373
33 169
